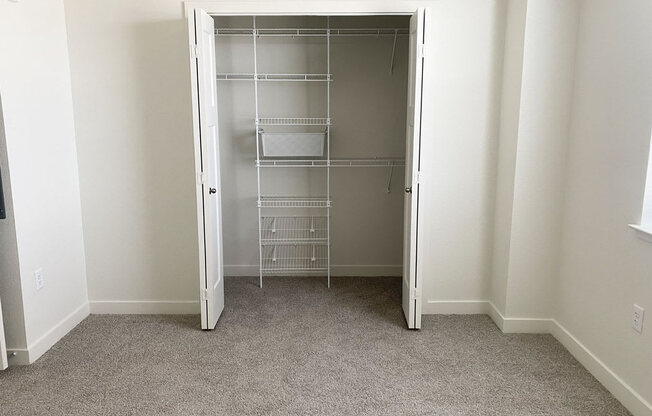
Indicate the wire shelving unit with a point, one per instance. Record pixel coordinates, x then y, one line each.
298 240
289 243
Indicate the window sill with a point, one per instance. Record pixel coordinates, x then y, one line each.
644 233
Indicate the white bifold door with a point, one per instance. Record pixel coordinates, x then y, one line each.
207 159
411 282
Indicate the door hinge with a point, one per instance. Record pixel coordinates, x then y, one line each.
204 295
201 178
414 293
417 177
194 50
421 51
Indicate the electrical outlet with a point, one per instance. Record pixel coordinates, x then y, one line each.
38 277
637 318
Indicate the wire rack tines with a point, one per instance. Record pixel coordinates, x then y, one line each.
296 230
295 258
293 121
293 202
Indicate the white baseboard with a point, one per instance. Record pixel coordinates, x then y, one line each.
485 307
337 270
518 325
455 307
633 401
144 307
23 356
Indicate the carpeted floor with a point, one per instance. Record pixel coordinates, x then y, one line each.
297 348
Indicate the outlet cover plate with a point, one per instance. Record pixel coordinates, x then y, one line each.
637 318
38 278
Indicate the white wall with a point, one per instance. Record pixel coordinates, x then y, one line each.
536 156
42 160
605 268
510 110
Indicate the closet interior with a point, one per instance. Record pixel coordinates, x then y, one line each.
312 123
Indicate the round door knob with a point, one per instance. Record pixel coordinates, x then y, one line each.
212 190
408 190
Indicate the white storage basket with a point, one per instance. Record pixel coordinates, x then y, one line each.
293 144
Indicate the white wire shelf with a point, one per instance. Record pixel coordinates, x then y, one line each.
296 230
333 163
294 258
298 32
293 121
293 202
236 76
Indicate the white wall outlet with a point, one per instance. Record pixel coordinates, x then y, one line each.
637 318
38 278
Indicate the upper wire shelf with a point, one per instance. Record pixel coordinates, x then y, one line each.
333 163
293 202
293 121
292 32
235 76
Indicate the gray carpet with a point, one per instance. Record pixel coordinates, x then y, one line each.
297 348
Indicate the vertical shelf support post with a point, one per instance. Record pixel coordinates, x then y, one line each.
260 210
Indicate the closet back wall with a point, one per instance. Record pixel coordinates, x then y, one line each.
368 108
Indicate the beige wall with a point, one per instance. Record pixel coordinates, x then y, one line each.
131 89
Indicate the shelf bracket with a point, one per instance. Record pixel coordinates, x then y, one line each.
389 178
391 63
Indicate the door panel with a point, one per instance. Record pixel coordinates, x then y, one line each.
412 285
208 172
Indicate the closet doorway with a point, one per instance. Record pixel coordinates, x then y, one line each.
274 143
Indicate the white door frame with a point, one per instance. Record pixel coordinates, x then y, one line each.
305 8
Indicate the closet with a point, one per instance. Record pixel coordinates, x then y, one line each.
301 152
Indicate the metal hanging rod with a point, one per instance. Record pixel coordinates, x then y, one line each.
333 163
291 32
235 76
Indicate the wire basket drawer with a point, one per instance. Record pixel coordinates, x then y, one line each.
293 144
